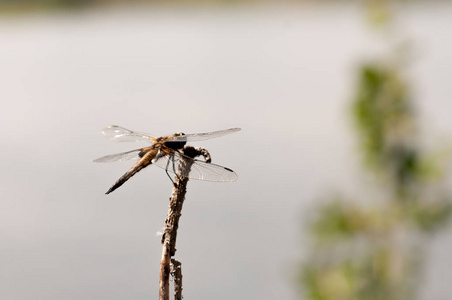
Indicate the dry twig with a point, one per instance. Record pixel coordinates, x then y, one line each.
176 272
172 223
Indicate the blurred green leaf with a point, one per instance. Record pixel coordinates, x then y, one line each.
356 250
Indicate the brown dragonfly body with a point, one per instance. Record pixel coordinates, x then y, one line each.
164 152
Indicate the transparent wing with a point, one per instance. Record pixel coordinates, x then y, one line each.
120 134
200 170
194 137
130 155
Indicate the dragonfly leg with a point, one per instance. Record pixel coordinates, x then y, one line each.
166 170
174 168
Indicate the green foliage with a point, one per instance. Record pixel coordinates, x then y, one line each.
383 114
8 7
339 220
430 217
374 251
372 273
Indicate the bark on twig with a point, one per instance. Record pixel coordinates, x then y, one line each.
176 272
172 220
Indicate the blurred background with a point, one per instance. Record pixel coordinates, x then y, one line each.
343 158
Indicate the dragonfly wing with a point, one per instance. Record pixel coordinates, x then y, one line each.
120 134
200 170
130 155
203 136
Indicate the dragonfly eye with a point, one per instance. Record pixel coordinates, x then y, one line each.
179 134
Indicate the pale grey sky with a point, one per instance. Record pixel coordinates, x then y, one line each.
284 75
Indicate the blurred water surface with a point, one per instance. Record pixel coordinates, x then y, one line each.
283 74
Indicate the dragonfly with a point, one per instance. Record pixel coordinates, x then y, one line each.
165 153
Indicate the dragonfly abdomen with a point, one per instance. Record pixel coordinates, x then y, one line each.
145 161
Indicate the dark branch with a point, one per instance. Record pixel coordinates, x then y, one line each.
172 220
176 272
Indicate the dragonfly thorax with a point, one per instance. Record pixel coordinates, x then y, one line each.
178 144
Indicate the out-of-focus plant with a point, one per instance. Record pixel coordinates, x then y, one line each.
373 249
378 12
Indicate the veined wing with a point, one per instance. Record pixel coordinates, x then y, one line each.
129 155
194 137
120 134
200 170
